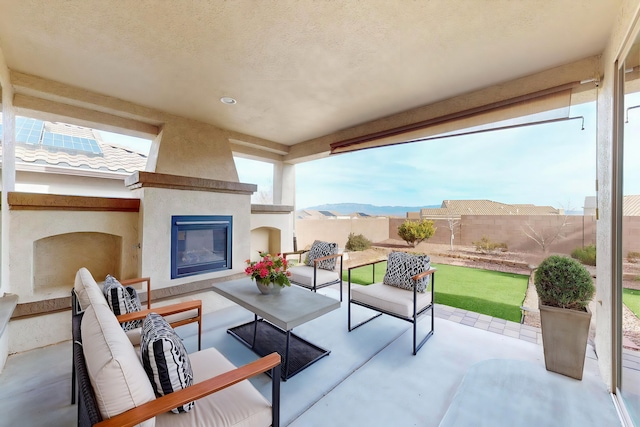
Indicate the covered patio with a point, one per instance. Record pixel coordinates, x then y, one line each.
285 83
463 376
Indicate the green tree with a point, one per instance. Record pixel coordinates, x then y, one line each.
414 232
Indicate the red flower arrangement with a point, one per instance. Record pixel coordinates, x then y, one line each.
269 269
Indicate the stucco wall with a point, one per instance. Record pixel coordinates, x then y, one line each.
195 149
50 183
272 232
38 224
337 230
157 205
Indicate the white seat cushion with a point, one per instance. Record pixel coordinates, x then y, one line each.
114 368
87 290
240 405
389 298
303 275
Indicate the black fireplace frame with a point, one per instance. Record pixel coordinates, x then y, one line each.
185 223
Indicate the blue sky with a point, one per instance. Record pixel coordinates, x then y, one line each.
552 164
137 144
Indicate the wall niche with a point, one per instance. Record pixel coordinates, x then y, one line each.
58 258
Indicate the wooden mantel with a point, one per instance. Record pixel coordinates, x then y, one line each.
36 201
271 209
142 179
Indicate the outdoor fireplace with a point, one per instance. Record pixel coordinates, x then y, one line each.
200 244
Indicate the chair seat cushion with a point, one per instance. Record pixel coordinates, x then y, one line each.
389 298
303 275
238 405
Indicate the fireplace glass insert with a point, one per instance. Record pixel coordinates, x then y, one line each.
200 244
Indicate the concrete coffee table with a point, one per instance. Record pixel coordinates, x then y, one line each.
275 316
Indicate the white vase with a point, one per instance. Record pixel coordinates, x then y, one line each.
270 289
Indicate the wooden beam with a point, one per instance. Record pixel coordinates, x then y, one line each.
34 201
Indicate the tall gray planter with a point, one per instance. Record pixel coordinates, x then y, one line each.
564 338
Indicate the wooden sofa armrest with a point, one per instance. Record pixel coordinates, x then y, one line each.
166 403
163 311
167 310
128 282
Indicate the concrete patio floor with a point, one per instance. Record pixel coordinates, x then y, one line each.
465 375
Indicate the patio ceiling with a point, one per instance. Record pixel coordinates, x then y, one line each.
299 70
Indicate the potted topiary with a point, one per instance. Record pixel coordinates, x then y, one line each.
565 288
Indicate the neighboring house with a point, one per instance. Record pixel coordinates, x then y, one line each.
316 214
590 206
62 151
631 205
454 209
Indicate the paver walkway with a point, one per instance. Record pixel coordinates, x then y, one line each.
488 323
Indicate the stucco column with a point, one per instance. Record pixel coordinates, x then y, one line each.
284 184
8 168
284 193
8 184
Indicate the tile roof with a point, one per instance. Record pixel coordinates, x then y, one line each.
456 208
631 206
324 214
113 158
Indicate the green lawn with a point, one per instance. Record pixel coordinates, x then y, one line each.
631 298
483 291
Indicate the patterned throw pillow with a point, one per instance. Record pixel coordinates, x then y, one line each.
165 359
321 249
401 267
122 300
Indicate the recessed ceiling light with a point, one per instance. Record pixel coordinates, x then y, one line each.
228 100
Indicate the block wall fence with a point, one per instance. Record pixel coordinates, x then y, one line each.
579 231
510 229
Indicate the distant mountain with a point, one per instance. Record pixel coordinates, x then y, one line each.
349 208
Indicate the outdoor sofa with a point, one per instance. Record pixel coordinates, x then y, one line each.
115 390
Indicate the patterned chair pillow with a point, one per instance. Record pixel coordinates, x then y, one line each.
165 359
401 267
122 300
321 249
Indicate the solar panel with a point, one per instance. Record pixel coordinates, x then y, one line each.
28 131
31 131
70 142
